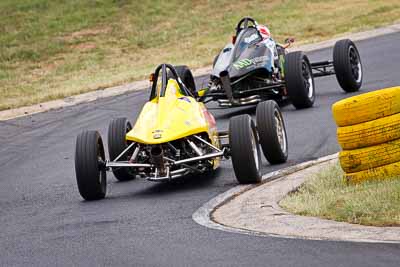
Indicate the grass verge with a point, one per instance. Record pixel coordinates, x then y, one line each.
53 49
327 196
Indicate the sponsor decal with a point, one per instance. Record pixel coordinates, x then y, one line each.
157 134
243 63
251 38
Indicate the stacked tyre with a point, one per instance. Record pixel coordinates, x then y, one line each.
369 134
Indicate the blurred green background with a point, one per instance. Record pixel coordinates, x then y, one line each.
53 49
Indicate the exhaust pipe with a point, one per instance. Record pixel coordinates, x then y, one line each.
157 158
226 85
254 99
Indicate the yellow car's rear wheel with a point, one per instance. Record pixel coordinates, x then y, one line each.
117 130
187 78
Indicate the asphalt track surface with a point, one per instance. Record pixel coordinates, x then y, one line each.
44 221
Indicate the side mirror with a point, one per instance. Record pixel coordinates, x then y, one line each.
289 40
151 77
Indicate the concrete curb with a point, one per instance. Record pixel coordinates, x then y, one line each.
203 215
140 85
353 36
273 221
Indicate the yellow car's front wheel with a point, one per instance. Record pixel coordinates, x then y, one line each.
89 166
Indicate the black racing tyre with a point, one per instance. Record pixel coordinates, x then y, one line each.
187 78
347 65
89 166
272 132
117 130
245 149
299 80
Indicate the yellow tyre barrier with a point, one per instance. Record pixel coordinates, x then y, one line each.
379 173
370 157
367 107
369 133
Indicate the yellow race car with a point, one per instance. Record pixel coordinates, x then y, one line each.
175 136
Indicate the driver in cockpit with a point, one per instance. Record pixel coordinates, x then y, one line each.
275 48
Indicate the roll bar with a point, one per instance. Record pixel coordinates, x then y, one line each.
245 21
164 81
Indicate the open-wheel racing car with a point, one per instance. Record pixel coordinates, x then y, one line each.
174 136
254 68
